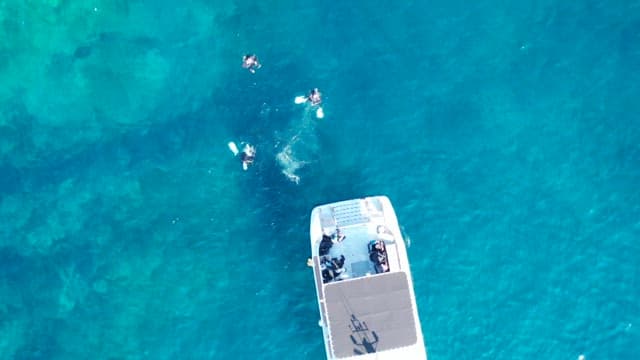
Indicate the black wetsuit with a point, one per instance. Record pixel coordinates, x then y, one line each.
247 158
325 245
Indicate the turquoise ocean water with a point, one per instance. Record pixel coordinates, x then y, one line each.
505 133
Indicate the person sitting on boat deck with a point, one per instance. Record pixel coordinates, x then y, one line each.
339 262
379 262
327 275
325 244
248 154
329 270
378 255
333 268
315 97
332 264
378 245
250 61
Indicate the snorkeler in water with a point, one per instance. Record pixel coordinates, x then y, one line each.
315 99
248 155
250 61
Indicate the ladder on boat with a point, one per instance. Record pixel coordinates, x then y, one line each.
347 213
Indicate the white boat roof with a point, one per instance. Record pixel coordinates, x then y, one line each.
370 314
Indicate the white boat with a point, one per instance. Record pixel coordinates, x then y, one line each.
363 282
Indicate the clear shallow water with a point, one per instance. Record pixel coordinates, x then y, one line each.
506 135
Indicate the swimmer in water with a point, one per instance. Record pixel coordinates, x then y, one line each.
250 61
248 155
315 97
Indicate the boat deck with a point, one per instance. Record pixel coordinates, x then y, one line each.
355 250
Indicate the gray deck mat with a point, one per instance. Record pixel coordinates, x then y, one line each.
370 314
